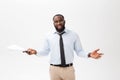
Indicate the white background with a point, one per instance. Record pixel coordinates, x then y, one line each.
25 23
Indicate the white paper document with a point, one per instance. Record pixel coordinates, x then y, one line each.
16 48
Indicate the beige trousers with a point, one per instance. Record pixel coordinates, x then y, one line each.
62 73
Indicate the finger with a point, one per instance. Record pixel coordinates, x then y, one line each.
29 50
25 51
97 50
101 54
97 57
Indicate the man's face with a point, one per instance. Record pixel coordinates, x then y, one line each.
59 23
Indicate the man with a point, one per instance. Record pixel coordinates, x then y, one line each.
61 45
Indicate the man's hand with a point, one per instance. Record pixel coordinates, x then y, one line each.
30 51
95 54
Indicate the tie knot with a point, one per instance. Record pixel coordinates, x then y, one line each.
61 33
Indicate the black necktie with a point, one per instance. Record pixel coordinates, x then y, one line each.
62 50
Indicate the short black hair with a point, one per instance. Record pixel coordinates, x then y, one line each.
58 15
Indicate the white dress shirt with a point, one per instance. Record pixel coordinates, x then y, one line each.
71 43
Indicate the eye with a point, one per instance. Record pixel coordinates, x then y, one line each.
60 21
56 21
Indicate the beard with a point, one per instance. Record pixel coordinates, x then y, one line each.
60 30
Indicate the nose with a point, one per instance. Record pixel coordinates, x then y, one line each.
59 23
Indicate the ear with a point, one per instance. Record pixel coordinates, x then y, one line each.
53 23
64 21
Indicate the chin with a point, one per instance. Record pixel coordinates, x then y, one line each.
60 29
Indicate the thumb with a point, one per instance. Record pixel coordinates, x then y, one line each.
96 50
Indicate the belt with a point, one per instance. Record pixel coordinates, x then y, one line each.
59 65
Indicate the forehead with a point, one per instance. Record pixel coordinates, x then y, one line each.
58 18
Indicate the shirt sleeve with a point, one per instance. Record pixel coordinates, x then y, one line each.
78 48
45 49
